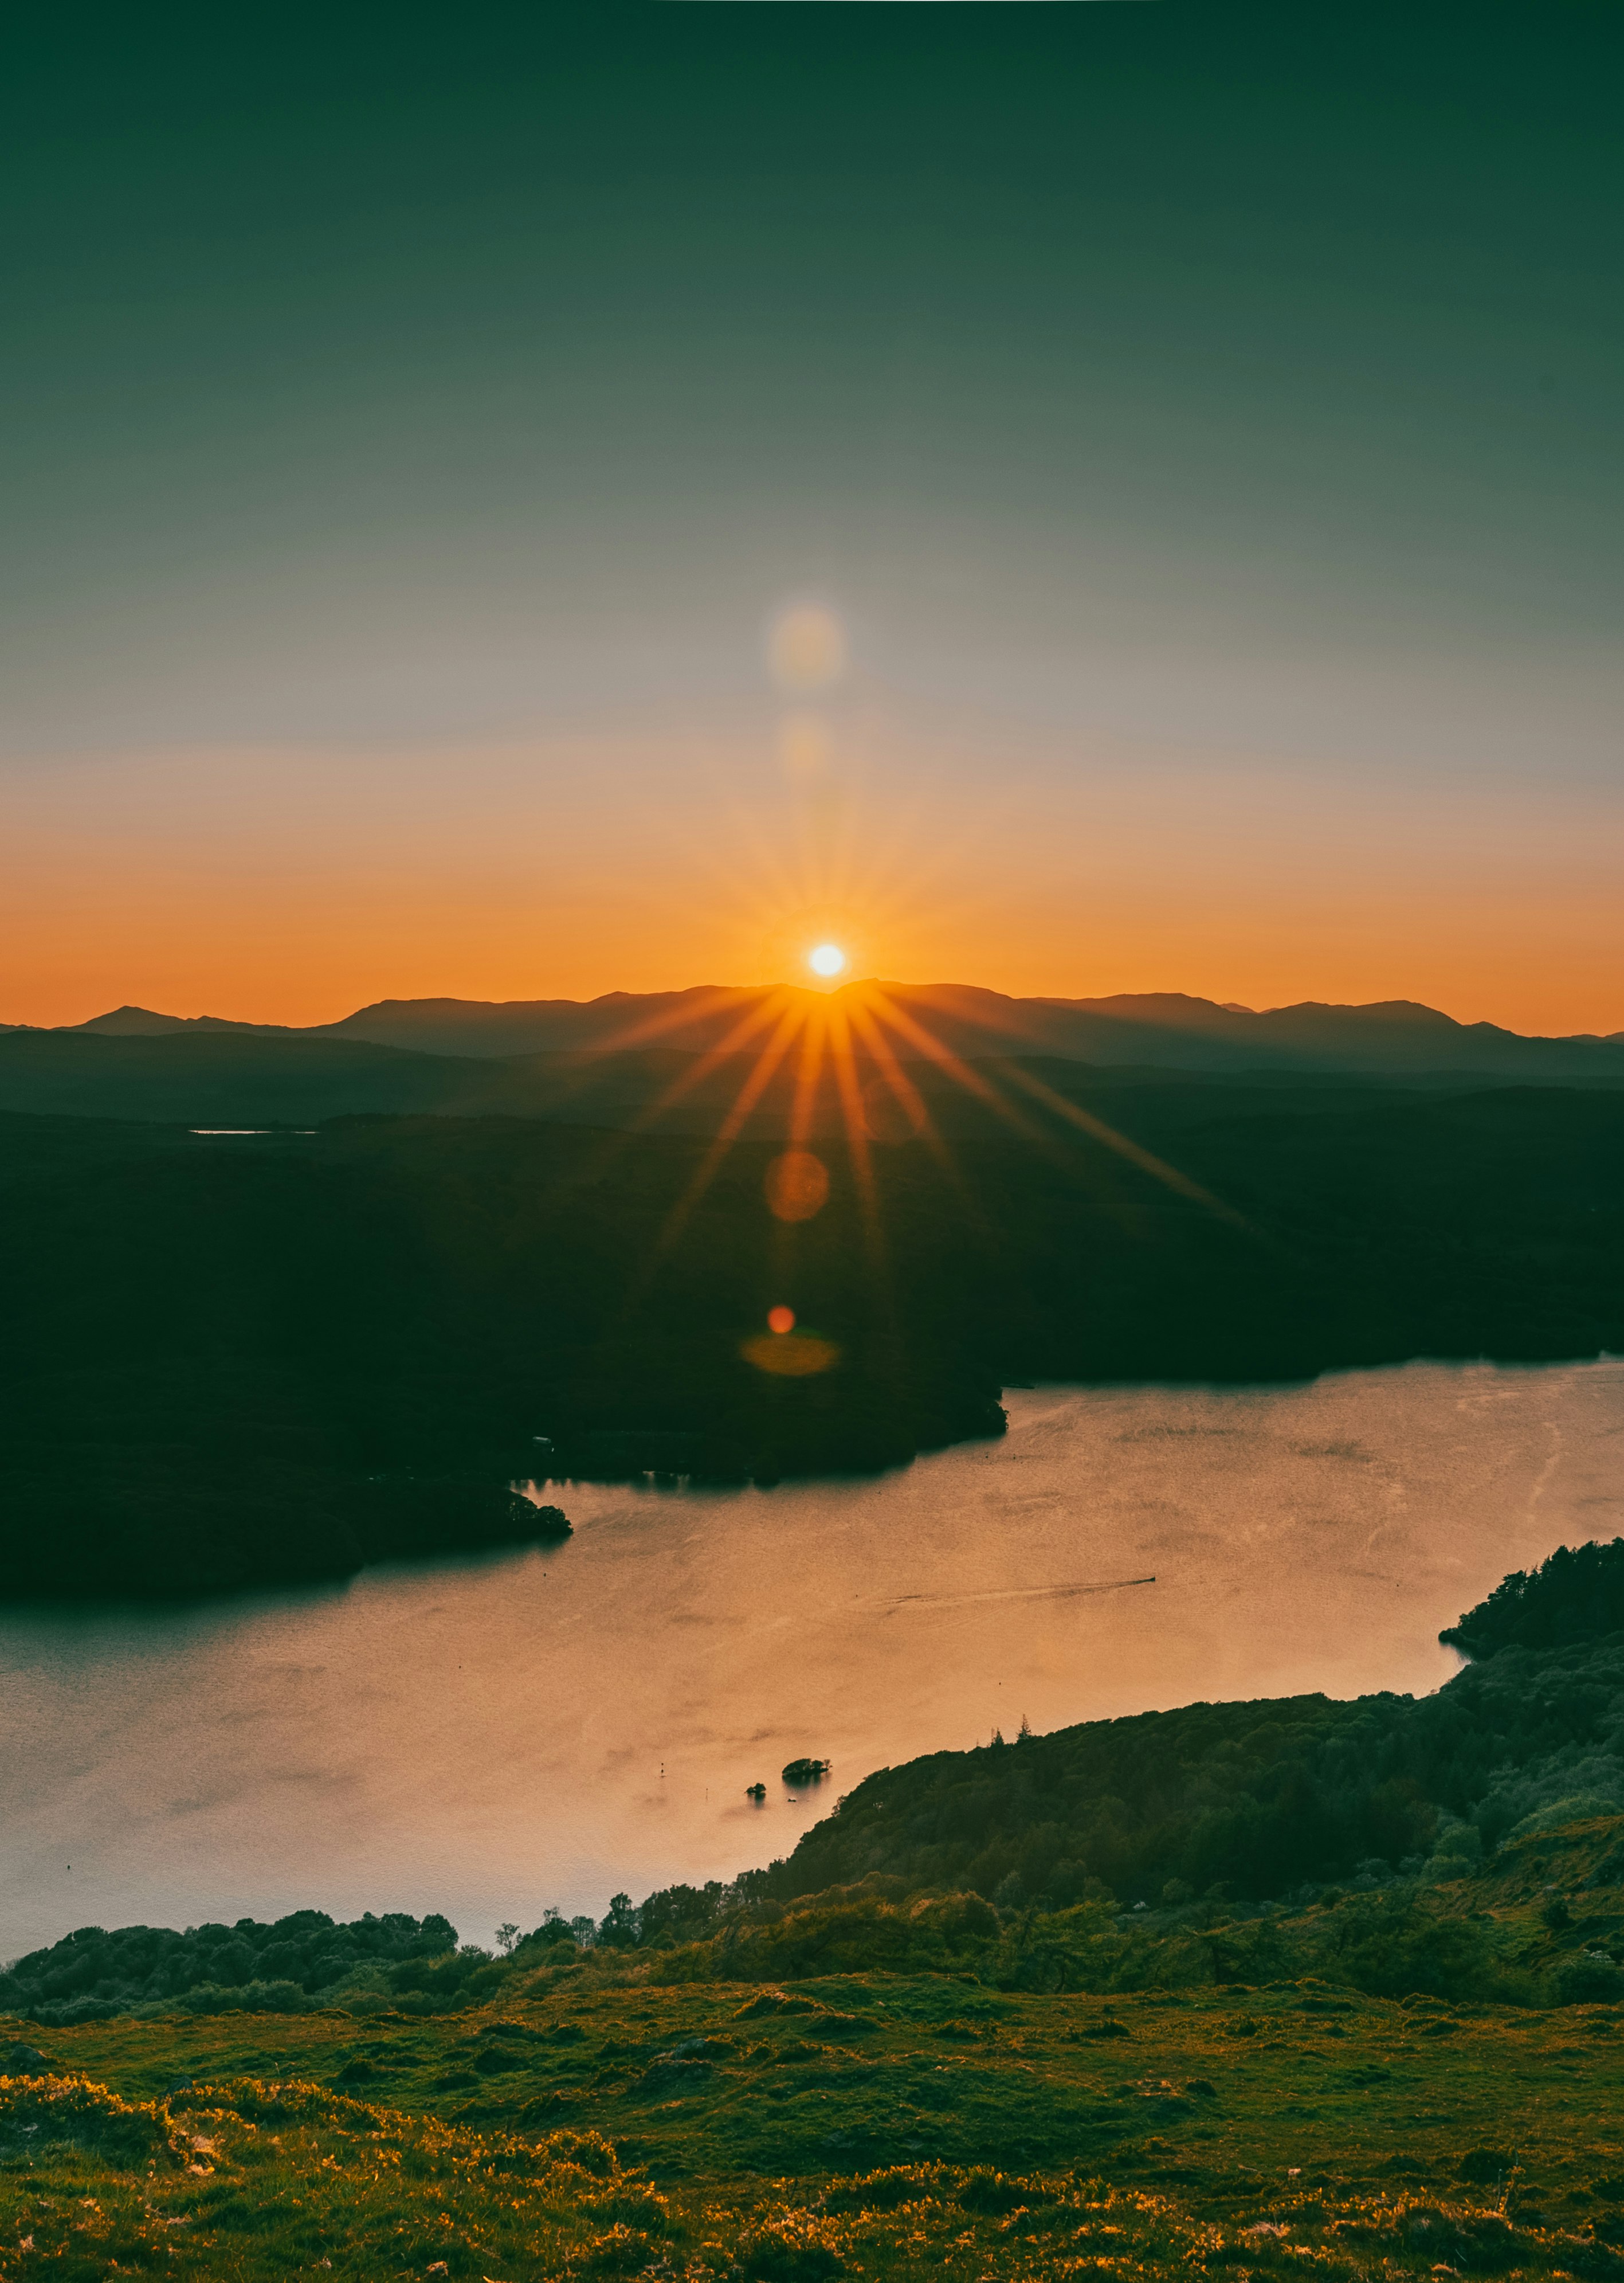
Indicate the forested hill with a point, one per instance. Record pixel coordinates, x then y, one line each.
1246 1804
232 1358
1249 1799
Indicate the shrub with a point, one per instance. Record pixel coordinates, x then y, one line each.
1589 1979
252 1998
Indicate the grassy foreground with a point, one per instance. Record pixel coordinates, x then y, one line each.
1423 2075
865 2123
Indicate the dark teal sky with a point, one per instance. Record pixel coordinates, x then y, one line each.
1193 377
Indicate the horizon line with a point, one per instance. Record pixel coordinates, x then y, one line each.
815 991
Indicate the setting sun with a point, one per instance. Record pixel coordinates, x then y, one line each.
827 959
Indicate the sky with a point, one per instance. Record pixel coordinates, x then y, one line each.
1071 498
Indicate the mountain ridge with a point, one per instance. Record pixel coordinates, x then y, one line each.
1171 1030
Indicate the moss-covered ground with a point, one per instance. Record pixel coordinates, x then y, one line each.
600 2118
1149 2130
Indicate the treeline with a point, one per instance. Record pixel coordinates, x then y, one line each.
277 1967
225 1364
231 1360
1389 1935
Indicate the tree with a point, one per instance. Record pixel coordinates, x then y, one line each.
619 1927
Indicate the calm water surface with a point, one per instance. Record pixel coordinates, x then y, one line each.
488 1738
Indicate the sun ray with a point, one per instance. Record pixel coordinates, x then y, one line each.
906 1095
749 1094
953 1065
588 1060
861 1160
809 1074
616 1143
1098 1130
852 1105
716 1000
745 1029
649 1032
902 1086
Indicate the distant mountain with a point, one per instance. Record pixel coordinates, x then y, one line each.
1164 1029
693 1020
1157 1030
142 1023
1392 1037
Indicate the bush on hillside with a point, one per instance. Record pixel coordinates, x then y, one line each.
849 1932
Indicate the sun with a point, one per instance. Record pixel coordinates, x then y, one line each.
826 959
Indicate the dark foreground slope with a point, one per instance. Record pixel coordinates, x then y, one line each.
244 1358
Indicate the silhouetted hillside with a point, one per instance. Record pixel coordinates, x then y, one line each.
224 1077
215 1076
235 1358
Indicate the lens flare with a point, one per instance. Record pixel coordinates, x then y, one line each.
806 648
794 1355
827 959
781 1320
797 1185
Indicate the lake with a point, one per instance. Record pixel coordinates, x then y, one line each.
486 1738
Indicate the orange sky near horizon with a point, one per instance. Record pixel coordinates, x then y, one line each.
294 886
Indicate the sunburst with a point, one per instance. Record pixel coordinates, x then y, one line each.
831 1031
863 1029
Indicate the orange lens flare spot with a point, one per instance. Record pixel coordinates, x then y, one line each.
780 1320
806 649
797 1185
791 1355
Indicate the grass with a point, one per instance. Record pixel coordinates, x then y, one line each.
865 2124
594 2120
